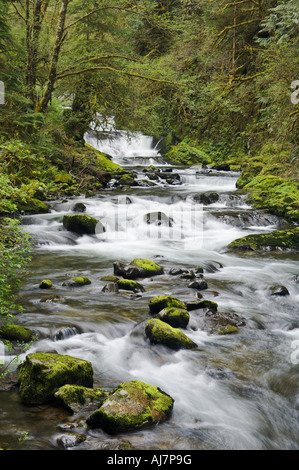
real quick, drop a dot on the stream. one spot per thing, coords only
(234, 392)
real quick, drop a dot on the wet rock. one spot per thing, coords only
(79, 207)
(70, 439)
(207, 198)
(201, 304)
(159, 332)
(160, 302)
(175, 317)
(65, 332)
(42, 374)
(198, 284)
(279, 291)
(138, 268)
(80, 224)
(158, 218)
(53, 298)
(221, 323)
(128, 284)
(177, 271)
(110, 287)
(109, 278)
(132, 406)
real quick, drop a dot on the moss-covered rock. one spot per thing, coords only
(160, 302)
(132, 406)
(20, 333)
(42, 374)
(46, 284)
(77, 281)
(276, 240)
(159, 332)
(175, 317)
(186, 154)
(33, 206)
(128, 284)
(276, 195)
(80, 224)
(138, 268)
(78, 398)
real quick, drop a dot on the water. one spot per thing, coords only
(236, 391)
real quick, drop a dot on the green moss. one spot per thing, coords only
(276, 195)
(132, 405)
(16, 333)
(64, 178)
(160, 302)
(185, 154)
(227, 329)
(148, 266)
(109, 278)
(175, 317)
(160, 332)
(279, 239)
(126, 284)
(46, 284)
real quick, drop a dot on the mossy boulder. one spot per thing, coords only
(176, 317)
(33, 206)
(160, 302)
(276, 240)
(159, 332)
(132, 406)
(138, 268)
(42, 374)
(46, 284)
(78, 281)
(128, 284)
(80, 223)
(12, 332)
(77, 398)
(207, 198)
(221, 323)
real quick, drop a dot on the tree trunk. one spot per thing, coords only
(60, 36)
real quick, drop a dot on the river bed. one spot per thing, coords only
(235, 392)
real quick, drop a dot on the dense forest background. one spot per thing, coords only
(216, 79)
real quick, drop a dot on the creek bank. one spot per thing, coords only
(276, 240)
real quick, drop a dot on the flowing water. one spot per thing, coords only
(238, 391)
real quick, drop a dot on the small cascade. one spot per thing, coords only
(126, 148)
